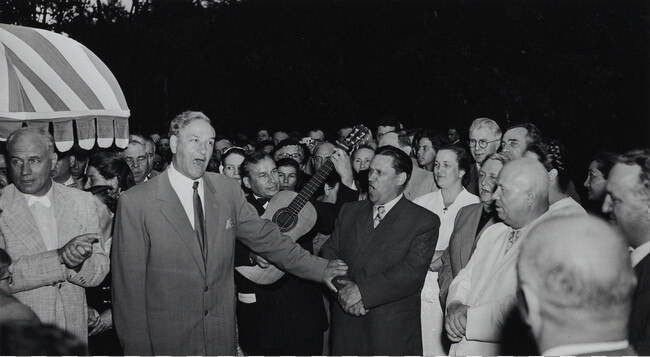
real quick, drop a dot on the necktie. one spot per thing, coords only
(199, 226)
(42, 200)
(380, 215)
(514, 235)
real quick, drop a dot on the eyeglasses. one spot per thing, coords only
(296, 156)
(481, 143)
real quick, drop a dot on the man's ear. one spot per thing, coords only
(55, 159)
(401, 178)
(529, 307)
(246, 182)
(173, 143)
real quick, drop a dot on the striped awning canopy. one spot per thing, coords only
(48, 78)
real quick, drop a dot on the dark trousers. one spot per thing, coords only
(312, 346)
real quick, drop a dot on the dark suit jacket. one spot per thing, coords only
(166, 300)
(472, 185)
(389, 264)
(461, 246)
(639, 327)
(284, 313)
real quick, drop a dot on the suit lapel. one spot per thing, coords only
(377, 235)
(363, 230)
(471, 225)
(63, 212)
(19, 219)
(173, 211)
(213, 241)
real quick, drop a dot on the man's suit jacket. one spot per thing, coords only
(472, 185)
(55, 293)
(488, 285)
(389, 264)
(421, 183)
(639, 326)
(282, 314)
(166, 300)
(461, 246)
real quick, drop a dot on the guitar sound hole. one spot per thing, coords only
(285, 220)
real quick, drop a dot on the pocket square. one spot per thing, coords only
(229, 223)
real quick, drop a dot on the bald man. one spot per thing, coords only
(422, 181)
(577, 282)
(322, 153)
(485, 290)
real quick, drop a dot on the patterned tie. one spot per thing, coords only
(199, 226)
(380, 215)
(514, 235)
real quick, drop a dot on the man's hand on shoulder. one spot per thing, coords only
(456, 321)
(334, 268)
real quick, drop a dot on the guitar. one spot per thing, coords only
(294, 214)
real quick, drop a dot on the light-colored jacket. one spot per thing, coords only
(54, 292)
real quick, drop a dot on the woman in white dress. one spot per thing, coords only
(451, 171)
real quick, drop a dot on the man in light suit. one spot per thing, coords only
(388, 243)
(51, 232)
(470, 223)
(484, 292)
(628, 205)
(577, 283)
(173, 265)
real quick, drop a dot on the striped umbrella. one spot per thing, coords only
(48, 78)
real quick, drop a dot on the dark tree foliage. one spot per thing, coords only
(578, 69)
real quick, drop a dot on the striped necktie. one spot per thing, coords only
(380, 215)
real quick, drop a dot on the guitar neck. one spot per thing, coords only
(310, 188)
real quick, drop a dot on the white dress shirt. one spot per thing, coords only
(42, 209)
(387, 206)
(182, 185)
(639, 253)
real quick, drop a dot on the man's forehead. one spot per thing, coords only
(382, 161)
(481, 133)
(623, 176)
(264, 165)
(134, 148)
(516, 133)
(290, 148)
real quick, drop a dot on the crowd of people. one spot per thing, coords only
(400, 242)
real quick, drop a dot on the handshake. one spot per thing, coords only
(77, 250)
(349, 296)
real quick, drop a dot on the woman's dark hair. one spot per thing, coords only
(552, 155)
(437, 140)
(463, 159)
(605, 161)
(110, 165)
(232, 150)
(106, 194)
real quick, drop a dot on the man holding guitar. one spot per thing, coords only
(286, 317)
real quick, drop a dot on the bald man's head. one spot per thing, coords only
(575, 273)
(397, 140)
(522, 192)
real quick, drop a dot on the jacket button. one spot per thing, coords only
(205, 289)
(205, 313)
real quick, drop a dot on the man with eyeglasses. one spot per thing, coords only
(10, 308)
(136, 157)
(484, 138)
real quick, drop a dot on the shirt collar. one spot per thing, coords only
(69, 181)
(182, 180)
(639, 253)
(586, 348)
(49, 195)
(387, 206)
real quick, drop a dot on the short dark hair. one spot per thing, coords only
(260, 146)
(640, 157)
(533, 132)
(552, 154)
(463, 159)
(251, 159)
(231, 151)
(605, 161)
(110, 165)
(389, 121)
(28, 338)
(401, 161)
(437, 141)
